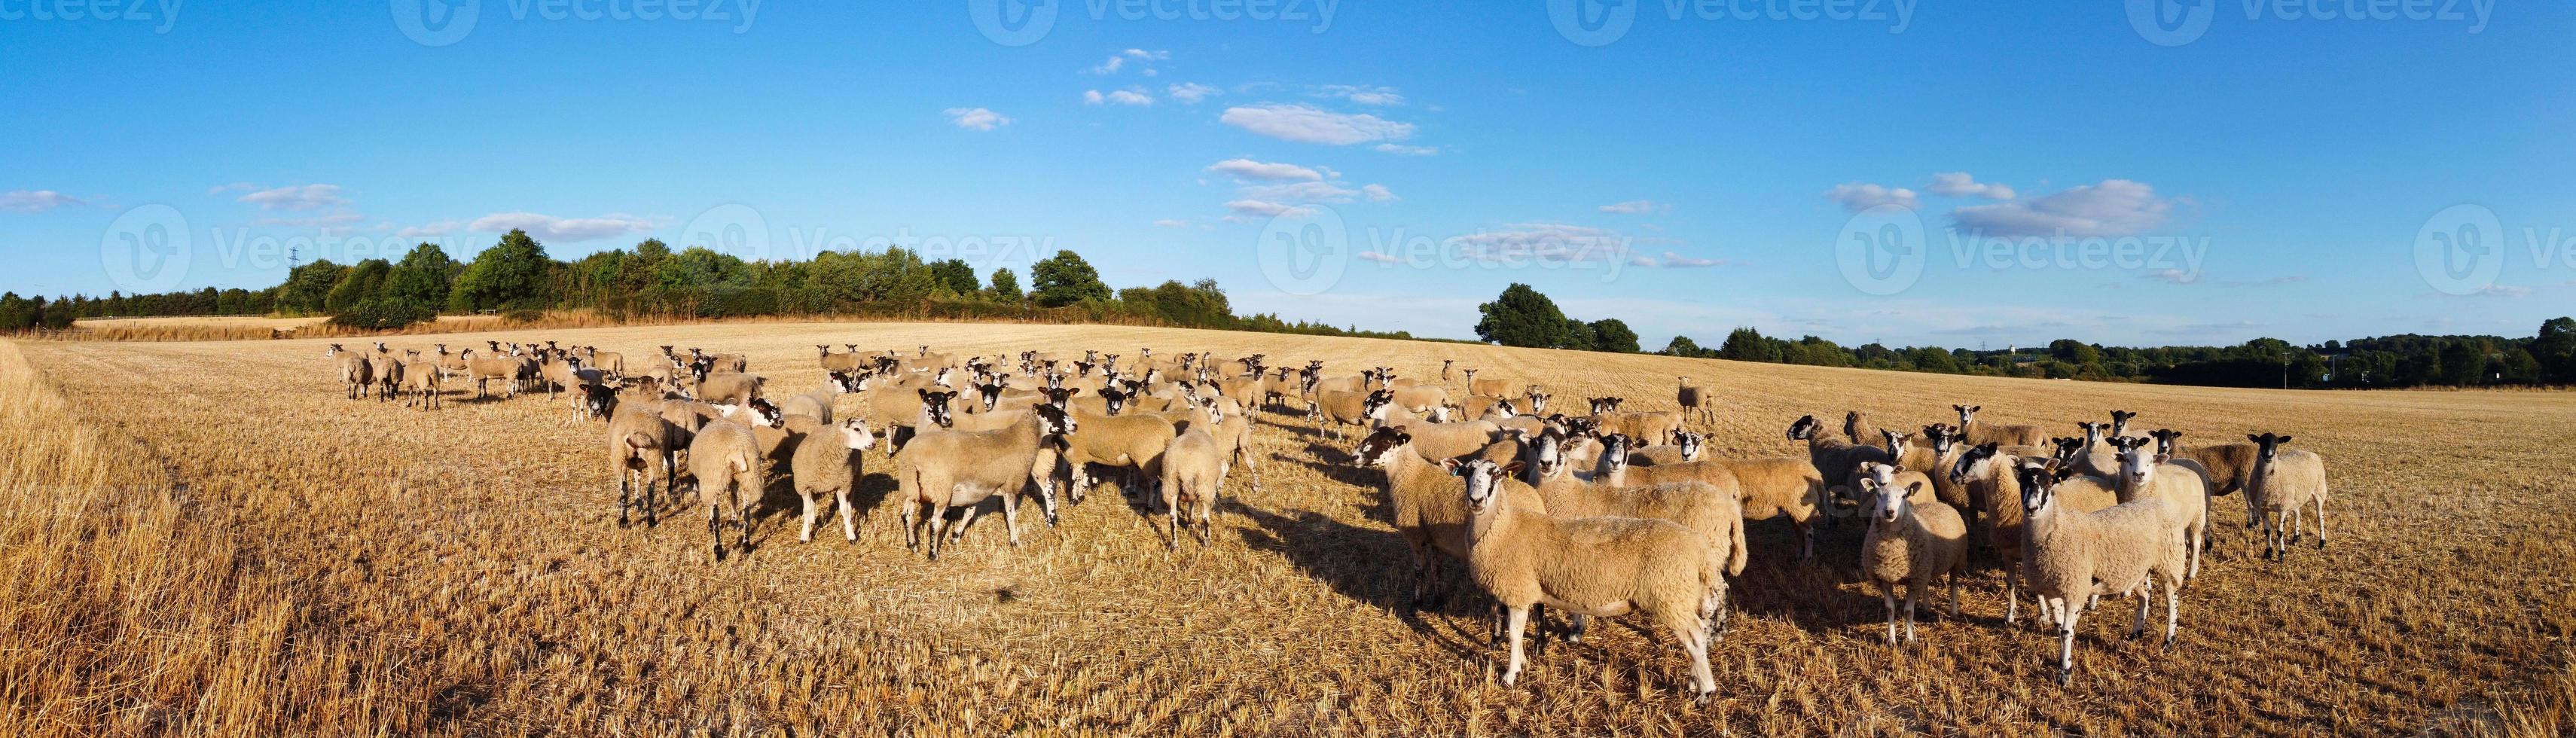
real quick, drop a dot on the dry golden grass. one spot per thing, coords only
(207, 539)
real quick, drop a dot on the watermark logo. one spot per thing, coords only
(2460, 250)
(1592, 22)
(162, 14)
(1881, 250)
(1305, 250)
(1013, 22)
(1598, 23)
(436, 23)
(147, 249)
(2171, 22)
(2178, 22)
(733, 229)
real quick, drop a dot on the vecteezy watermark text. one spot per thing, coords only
(162, 14)
(1024, 22)
(2179, 22)
(1601, 22)
(444, 22)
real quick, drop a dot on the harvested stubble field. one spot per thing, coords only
(206, 538)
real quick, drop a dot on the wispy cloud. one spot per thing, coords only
(1633, 207)
(1859, 196)
(1362, 94)
(1122, 97)
(549, 227)
(1192, 92)
(441, 228)
(1245, 210)
(1378, 193)
(2113, 207)
(1171, 223)
(1405, 150)
(297, 198)
(1959, 184)
(1674, 259)
(1308, 124)
(976, 119)
(1119, 60)
(2280, 280)
(36, 201)
(1247, 169)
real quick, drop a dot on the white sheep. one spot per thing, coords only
(2280, 485)
(1909, 542)
(2126, 549)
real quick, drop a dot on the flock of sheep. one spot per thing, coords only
(1603, 514)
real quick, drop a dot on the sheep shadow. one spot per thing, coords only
(1368, 566)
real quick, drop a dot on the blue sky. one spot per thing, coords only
(2055, 170)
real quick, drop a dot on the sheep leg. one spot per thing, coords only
(1954, 592)
(2012, 593)
(911, 514)
(958, 532)
(1887, 596)
(1206, 510)
(2321, 521)
(807, 499)
(2173, 612)
(715, 528)
(849, 525)
(2146, 601)
(1516, 619)
(1912, 590)
(1046, 495)
(625, 477)
(1011, 516)
(938, 521)
(2066, 643)
(1694, 643)
(1421, 580)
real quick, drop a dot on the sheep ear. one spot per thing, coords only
(1451, 465)
(2162, 458)
(1913, 487)
(2254, 438)
(2061, 473)
(1512, 469)
(2284, 440)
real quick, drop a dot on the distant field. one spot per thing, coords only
(266, 557)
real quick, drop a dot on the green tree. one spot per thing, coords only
(1006, 285)
(1522, 317)
(511, 274)
(423, 277)
(1065, 279)
(1747, 344)
(2555, 349)
(955, 275)
(1578, 336)
(307, 286)
(359, 285)
(1683, 346)
(1613, 334)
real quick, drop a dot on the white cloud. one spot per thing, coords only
(1171, 223)
(547, 227)
(1673, 259)
(1643, 261)
(1300, 192)
(1404, 150)
(1378, 193)
(440, 228)
(1118, 60)
(1381, 258)
(1092, 97)
(1193, 92)
(2114, 207)
(221, 189)
(35, 201)
(1122, 97)
(297, 197)
(1247, 169)
(1307, 124)
(1558, 241)
(1244, 209)
(977, 119)
(2500, 290)
(2174, 276)
(1959, 184)
(1362, 94)
(1858, 196)
(1633, 207)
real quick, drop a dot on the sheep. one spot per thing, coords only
(1684, 448)
(1591, 566)
(725, 459)
(1911, 539)
(2281, 484)
(484, 369)
(1428, 511)
(2228, 466)
(1332, 409)
(816, 404)
(1856, 428)
(643, 442)
(1715, 511)
(847, 361)
(1991, 479)
(2144, 473)
(1487, 387)
(388, 371)
(1834, 458)
(1427, 399)
(907, 412)
(1233, 431)
(2009, 435)
(1194, 468)
(420, 384)
(2093, 456)
(1132, 441)
(1763, 488)
(2126, 549)
(1697, 404)
(1645, 427)
(357, 372)
(722, 362)
(961, 468)
(828, 461)
(1934, 462)
(1436, 441)
(727, 388)
(1444, 369)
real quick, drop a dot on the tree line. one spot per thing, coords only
(651, 280)
(1522, 316)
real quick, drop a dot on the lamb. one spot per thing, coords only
(1332, 409)
(1991, 479)
(1910, 541)
(1132, 441)
(644, 443)
(725, 459)
(1696, 403)
(1833, 457)
(1428, 511)
(961, 468)
(2009, 435)
(828, 461)
(2144, 473)
(2127, 549)
(1684, 448)
(2281, 484)
(1194, 468)
(1591, 566)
